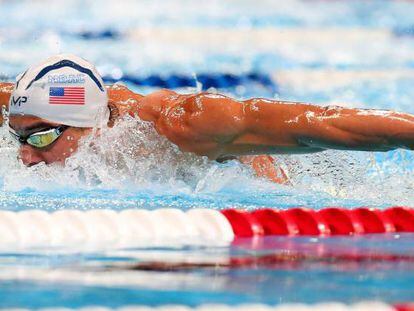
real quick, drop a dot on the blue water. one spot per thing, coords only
(138, 40)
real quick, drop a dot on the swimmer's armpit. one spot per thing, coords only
(123, 99)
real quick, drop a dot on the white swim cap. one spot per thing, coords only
(63, 89)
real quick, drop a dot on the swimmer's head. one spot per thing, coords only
(63, 97)
(63, 89)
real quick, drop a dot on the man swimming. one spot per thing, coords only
(55, 103)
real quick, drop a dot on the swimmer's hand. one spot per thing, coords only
(268, 167)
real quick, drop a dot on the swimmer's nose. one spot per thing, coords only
(29, 156)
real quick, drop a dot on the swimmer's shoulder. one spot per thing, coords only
(151, 105)
(162, 96)
(120, 94)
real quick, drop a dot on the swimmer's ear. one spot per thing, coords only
(113, 113)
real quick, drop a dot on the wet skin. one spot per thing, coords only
(220, 127)
(58, 151)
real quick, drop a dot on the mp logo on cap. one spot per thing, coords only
(18, 101)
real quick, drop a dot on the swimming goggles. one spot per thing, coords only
(40, 139)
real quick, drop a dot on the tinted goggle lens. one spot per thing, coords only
(41, 139)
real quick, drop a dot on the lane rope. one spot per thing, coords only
(169, 226)
(207, 80)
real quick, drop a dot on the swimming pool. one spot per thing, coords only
(353, 53)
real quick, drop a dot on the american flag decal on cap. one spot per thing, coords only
(67, 96)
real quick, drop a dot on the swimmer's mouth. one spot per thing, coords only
(32, 164)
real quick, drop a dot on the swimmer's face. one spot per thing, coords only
(58, 151)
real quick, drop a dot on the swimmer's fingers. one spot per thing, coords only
(266, 166)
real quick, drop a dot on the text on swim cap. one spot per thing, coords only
(18, 101)
(79, 78)
(66, 63)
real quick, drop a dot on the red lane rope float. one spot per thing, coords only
(404, 307)
(389, 225)
(244, 224)
(273, 222)
(338, 221)
(325, 222)
(366, 220)
(401, 217)
(307, 221)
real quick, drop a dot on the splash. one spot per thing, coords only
(132, 164)
(131, 156)
(377, 179)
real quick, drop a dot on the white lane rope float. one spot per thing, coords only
(111, 229)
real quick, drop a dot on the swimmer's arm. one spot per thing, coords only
(298, 125)
(218, 126)
(212, 125)
(5, 92)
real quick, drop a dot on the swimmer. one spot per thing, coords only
(55, 103)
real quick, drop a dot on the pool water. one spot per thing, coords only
(353, 53)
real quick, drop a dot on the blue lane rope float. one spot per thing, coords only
(103, 34)
(208, 80)
(113, 34)
(407, 31)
